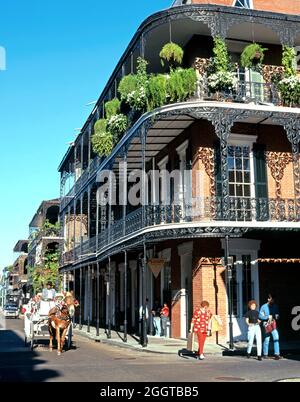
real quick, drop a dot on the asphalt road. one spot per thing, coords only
(96, 362)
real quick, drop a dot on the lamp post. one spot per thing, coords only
(144, 317)
(228, 265)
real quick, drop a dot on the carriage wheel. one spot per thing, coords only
(70, 332)
(31, 336)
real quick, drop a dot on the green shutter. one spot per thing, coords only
(260, 171)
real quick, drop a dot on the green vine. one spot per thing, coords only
(289, 61)
(252, 55)
(221, 60)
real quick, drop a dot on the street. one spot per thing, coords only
(96, 362)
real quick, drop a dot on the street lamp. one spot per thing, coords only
(229, 265)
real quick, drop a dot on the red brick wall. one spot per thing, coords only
(277, 6)
(176, 286)
(209, 280)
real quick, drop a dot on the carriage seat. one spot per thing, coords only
(45, 307)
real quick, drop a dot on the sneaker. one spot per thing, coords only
(266, 357)
(277, 357)
(201, 357)
(248, 355)
(259, 358)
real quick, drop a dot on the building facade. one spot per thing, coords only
(238, 193)
(20, 271)
(44, 236)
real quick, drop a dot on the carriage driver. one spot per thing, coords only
(49, 292)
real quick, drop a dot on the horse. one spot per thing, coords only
(59, 320)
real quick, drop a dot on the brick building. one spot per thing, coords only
(238, 158)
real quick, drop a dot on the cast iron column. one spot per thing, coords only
(88, 298)
(109, 299)
(80, 298)
(229, 279)
(125, 295)
(98, 300)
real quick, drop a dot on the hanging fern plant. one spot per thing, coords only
(171, 53)
(112, 108)
(253, 55)
(102, 140)
(127, 86)
(102, 143)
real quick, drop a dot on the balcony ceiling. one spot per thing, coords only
(159, 136)
(165, 130)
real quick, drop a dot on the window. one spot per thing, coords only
(239, 182)
(243, 3)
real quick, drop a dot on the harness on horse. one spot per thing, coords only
(58, 313)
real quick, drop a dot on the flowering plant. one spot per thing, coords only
(117, 125)
(221, 81)
(137, 99)
(289, 89)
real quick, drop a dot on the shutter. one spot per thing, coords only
(260, 171)
(261, 182)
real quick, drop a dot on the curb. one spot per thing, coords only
(137, 348)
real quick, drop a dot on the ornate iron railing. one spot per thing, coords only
(242, 92)
(202, 209)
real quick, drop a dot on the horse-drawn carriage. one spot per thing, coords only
(37, 324)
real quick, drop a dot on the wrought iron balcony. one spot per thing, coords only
(202, 210)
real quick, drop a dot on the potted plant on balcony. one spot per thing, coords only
(252, 56)
(116, 122)
(181, 84)
(171, 53)
(133, 87)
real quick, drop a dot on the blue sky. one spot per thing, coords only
(59, 55)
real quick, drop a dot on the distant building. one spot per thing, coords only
(44, 233)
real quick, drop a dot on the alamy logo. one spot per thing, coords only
(296, 320)
(2, 59)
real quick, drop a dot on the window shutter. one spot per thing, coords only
(260, 171)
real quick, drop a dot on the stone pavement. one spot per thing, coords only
(172, 346)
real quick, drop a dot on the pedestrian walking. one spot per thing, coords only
(254, 330)
(156, 318)
(165, 318)
(269, 315)
(200, 325)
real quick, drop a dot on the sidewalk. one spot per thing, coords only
(173, 346)
(155, 344)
